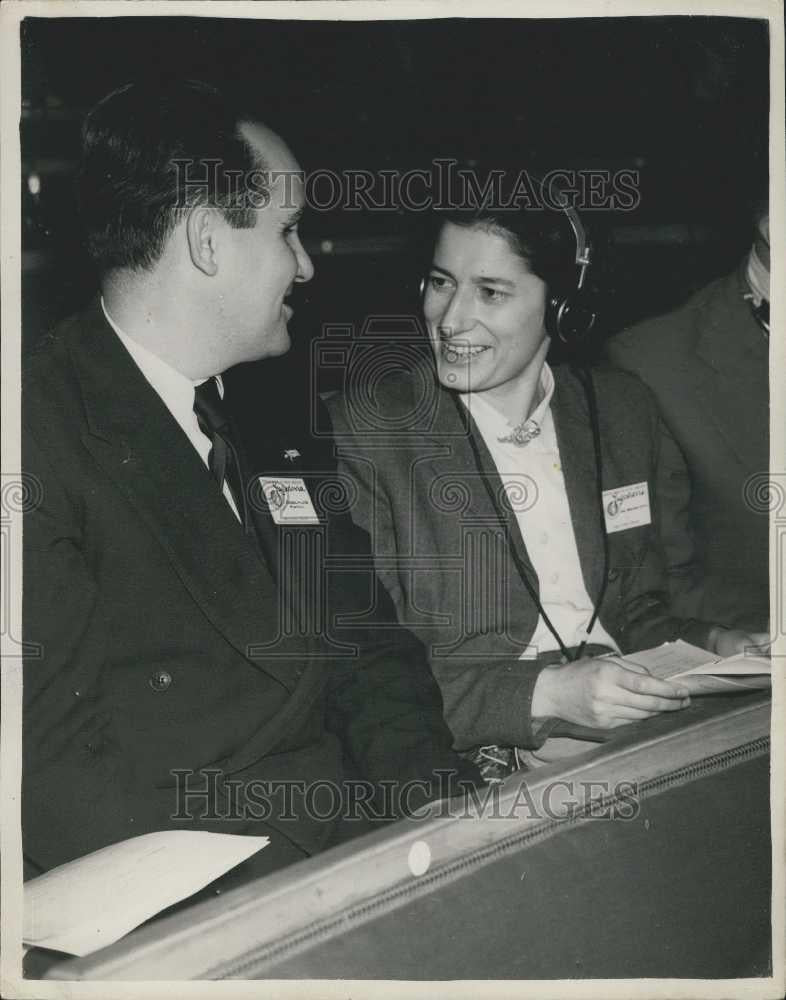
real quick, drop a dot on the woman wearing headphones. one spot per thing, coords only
(510, 505)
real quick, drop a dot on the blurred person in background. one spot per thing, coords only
(707, 365)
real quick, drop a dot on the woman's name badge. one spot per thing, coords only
(288, 500)
(627, 507)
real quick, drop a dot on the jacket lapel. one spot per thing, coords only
(472, 471)
(577, 458)
(569, 409)
(138, 443)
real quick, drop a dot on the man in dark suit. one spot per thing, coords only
(192, 669)
(707, 365)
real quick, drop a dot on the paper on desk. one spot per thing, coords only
(93, 901)
(736, 666)
(699, 670)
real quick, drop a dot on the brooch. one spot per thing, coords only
(522, 434)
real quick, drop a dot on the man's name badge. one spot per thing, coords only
(627, 507)
(288, 500)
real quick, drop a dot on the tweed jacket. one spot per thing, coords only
(707, 364)
(448, 561)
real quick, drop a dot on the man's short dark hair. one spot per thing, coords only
(139, 145)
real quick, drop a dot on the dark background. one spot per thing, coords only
(684, 100)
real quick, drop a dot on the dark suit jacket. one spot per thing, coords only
(707, 366)
(163, 644)
(448, 562)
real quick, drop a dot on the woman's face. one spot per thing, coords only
(484, 310)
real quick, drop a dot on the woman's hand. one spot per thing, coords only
(735, 641)
(603, 694)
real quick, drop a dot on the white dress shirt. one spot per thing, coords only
(177, 393)
(532, 477)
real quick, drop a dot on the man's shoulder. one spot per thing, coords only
(54, 351)
(660, 340)
(48, 370)
(52, 377)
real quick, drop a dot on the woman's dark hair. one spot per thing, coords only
(516, 206)
(150, 153)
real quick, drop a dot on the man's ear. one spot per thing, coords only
(200, 231)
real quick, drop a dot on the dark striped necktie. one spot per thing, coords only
(223, 460)
(227, 463)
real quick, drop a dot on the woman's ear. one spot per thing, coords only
(200, 232)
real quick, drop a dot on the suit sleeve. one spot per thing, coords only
(383, 701)
(673, 495)
(73, 781)
(485, 700)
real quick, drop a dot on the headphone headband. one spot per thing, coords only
(573, 317)
(583, 257)
(583, 247)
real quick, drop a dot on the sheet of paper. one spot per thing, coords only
(93, 901)
(713, 684)
(699, 670)
(670, 659)
(739, 666)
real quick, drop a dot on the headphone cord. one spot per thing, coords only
(521, 569)
(585, 378)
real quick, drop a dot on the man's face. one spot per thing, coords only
(258, 267)
(484, 309)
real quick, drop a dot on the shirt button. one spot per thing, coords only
(555, 577)
(543, 538)
(160, 680)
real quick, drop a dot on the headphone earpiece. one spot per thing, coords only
(571, 318)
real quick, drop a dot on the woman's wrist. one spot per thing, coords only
(543, 705)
